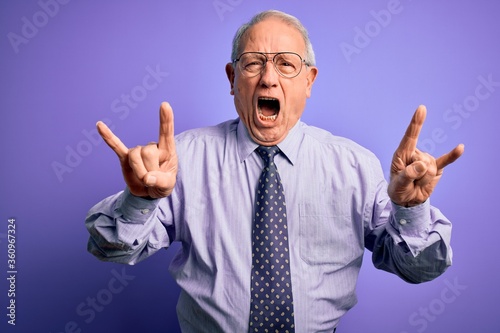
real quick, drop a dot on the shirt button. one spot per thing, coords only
(403, 221)
(144, 211)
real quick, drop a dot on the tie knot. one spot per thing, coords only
(268, 153)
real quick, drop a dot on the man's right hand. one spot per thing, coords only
(149, 171)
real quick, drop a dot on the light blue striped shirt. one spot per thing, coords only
(337, 205)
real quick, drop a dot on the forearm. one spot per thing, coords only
(125, 229)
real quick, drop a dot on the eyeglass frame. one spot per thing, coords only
(302, 62)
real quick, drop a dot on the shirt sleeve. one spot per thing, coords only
(127, 229)
(414, 243)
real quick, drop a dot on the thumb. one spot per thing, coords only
(150, 179)
(162, 182)
(416, 170)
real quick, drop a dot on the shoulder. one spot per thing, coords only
(207, 134)
(325, 140)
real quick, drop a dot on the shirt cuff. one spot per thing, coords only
(133, 209)
(412, 221)
(413, 225)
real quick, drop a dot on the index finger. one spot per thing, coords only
(112, 140)
(409, 141)
(166, 141)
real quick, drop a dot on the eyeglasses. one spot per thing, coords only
(287, 64)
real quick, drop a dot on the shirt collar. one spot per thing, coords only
(289, 146)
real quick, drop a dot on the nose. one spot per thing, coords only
(269, 76)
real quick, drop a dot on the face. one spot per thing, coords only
(269, 104)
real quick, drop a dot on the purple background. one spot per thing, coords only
(58, 79)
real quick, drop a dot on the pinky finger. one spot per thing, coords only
(112, 140)
(450, 157)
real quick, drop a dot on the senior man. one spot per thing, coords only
(273, 215)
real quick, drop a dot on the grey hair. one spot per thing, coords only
(289, 19)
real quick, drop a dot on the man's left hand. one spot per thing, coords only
(415, 174)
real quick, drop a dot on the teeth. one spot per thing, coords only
(262, 117)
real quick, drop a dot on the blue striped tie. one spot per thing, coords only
(271, 285)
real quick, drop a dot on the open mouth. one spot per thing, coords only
(268, 108)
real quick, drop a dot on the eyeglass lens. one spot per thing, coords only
(286, 63)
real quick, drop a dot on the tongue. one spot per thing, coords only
(267, 110)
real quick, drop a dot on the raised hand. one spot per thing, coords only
(415, 174)
(149, 171)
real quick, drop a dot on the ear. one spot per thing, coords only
(230, 76)
(312, 73)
